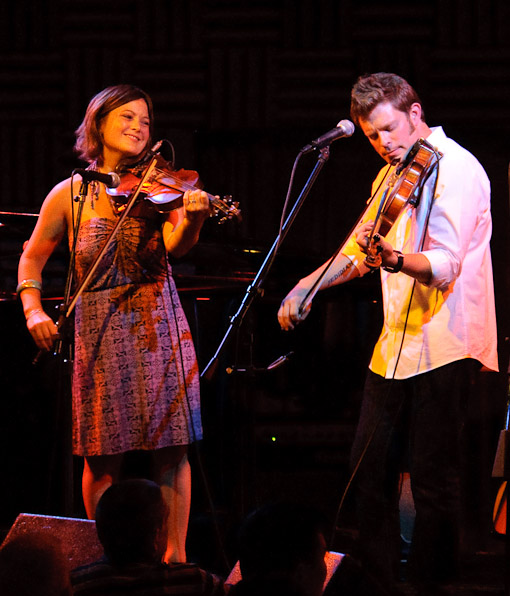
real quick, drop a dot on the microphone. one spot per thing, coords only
(344, 128)
(153, 151)
(111, 180)
(155, 148)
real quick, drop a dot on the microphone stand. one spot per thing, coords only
(110, 238)
(64, 411)
(254, 289)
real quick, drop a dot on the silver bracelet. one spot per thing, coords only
(32, 312)
(26, 284)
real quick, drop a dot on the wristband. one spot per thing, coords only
(31, 312)
(398, 266)
(28, 283)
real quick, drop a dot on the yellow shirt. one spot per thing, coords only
(453, 317)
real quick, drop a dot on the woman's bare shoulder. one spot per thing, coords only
(60, 196)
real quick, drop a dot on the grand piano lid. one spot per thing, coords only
(10, 218)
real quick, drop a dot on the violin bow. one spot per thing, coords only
(118, 223)
(307, 300)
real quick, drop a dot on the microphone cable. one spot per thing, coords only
(356, 467)
(194, 443)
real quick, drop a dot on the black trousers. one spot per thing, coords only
(416, 423)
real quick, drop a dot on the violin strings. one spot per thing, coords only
(182, 184)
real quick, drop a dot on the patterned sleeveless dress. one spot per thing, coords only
(135, 377)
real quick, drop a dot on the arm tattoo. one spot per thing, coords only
(339, 274)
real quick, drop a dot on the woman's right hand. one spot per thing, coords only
(42, 328)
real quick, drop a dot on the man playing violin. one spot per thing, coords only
(135, 375)
(439, 329)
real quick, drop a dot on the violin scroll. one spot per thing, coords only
(224, 209)
(373, 260)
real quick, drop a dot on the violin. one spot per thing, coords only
(404, 188)
(164, 187)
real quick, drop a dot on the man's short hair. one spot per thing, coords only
(372, 89)
(129, 516)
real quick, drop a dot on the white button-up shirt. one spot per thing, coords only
(453, 317)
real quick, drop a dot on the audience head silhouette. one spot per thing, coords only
(284, 540)
(131, 522)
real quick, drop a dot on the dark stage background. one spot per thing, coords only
(239, 87)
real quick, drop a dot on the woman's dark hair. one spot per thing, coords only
(372, 89)
(89, 141)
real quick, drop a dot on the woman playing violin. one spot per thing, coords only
(135, 375)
